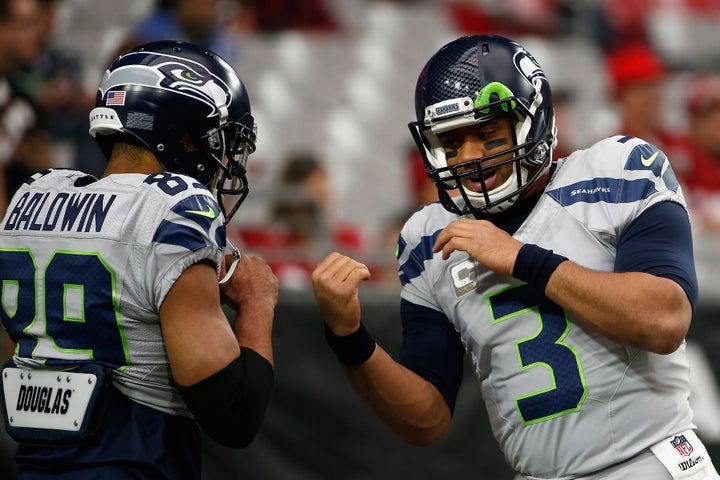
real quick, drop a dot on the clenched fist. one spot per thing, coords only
(336, 282)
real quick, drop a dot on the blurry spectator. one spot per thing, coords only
(637, 77)
(529, 17)
(703, 179)
(519, 17)
(19, 46)
(583, 20)
(196, 21)
(303, 198)
(638, 84)
(684, 30)
(54, 83)
(627, 20)
(278, 15)
(301, 232)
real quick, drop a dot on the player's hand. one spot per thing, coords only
(336, 282)
(252, 283)
(493, 247)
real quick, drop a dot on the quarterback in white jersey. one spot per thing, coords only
(111, 290)
(571, 284)
(546, 378)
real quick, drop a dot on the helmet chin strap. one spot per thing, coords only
(477, 199)
(236, 258)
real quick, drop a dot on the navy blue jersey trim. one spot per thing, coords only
(659, 242)
(646, 157)
(605, 189)
(401, 244)
(432, 348)
(671, 180)
(415, 264)
(37, 176)
(199, 209)
(221, 236)
(181, 235)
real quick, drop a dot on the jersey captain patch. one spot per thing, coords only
(464, 277)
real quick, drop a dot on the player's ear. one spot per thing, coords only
(187, 143)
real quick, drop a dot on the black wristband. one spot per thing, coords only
(352, 349)
(534, 265)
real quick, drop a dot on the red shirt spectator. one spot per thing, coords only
(703, 177)
(637, 79)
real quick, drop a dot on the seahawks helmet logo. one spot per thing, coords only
(175, 74)
(528, 66)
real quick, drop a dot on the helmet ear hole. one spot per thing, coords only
(187, 142)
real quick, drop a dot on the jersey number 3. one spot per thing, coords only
(546, 348)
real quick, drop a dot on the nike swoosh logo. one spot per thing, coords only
(210, 213)
(648, 161)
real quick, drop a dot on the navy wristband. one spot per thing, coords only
(534, 265)
(352, 349)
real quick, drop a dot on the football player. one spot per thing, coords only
(570, 284)
(110, 286)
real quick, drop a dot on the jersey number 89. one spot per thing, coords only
(69, 314)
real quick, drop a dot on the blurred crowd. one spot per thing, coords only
(660, 59)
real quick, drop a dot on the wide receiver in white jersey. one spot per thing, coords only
(571, 284)
(110, 286)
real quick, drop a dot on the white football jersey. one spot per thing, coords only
(86, 266)
(562, 399)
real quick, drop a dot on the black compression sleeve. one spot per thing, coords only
(230, 405)
(432, 348)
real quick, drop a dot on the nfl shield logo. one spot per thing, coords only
(682, 446)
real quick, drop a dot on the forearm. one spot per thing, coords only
(253, 328)
(633, 308)
(410, 406)
(252, 291)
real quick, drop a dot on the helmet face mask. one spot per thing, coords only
(231, 179)
(466, 83)
(235, 142)
(187, 106)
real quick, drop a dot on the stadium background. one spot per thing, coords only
(348, 96)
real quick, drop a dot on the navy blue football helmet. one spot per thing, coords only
(464, 83)
(187, 106)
